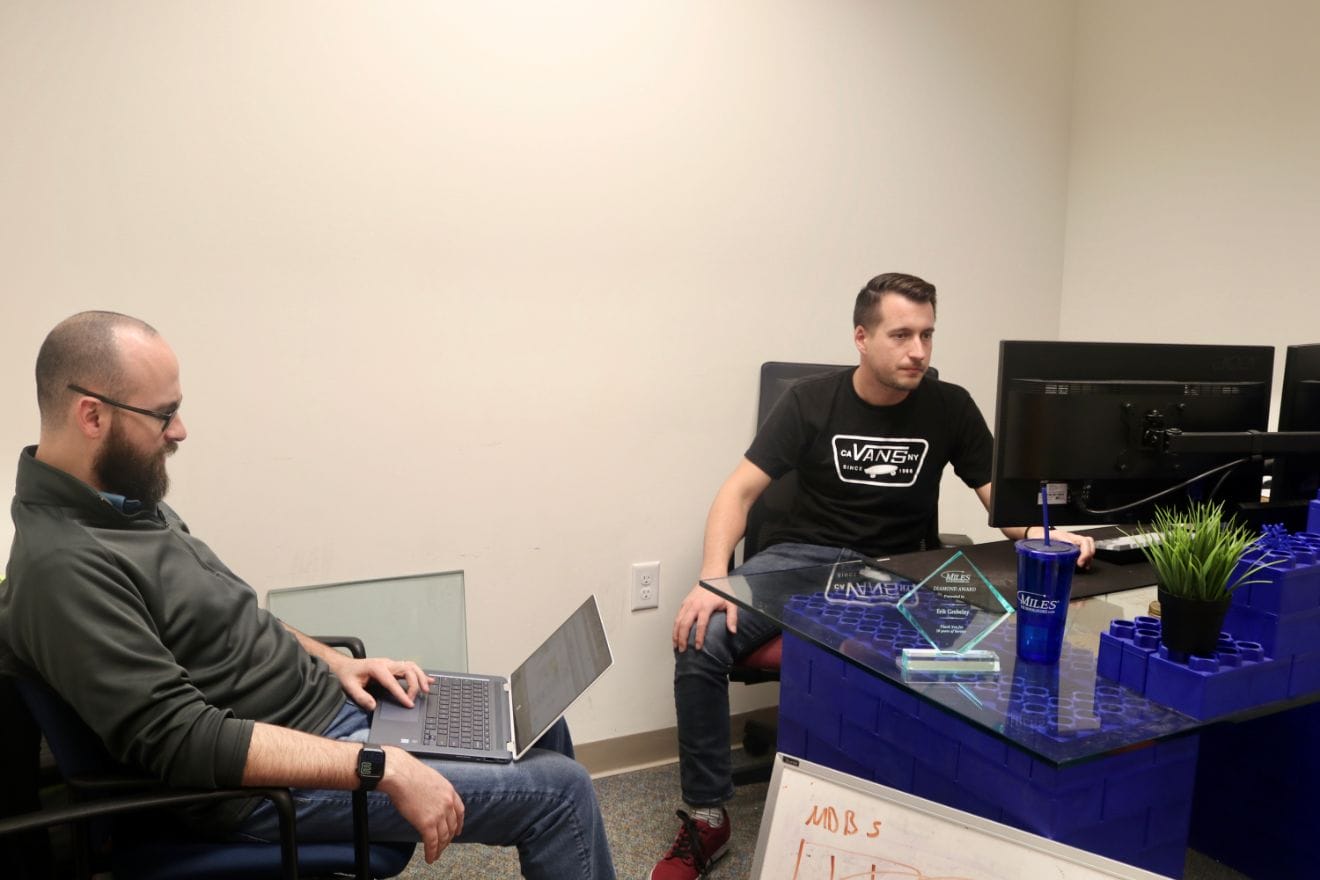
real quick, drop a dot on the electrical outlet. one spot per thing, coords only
(645, 585)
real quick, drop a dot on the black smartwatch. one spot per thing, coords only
(370, 766)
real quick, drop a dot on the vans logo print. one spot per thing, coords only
(878, 461)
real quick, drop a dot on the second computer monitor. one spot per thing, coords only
(1095, 420)
(1296, 476)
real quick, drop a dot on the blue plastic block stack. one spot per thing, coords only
(1237, 676)
(1126, 649)
(1256, 806)
(1135, 806)
(1270, 648)
(1282, 609)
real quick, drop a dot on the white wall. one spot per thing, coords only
(486, 285)
(1194, 186)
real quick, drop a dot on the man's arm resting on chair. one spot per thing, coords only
(279, 756)
(725, 525)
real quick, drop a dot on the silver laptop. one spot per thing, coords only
(488, 718)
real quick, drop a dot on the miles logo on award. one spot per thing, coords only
(878, 461)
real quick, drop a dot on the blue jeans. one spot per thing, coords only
(701, 679)
(544, 804)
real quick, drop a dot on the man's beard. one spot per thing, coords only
(136, 475)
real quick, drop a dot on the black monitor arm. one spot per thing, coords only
(1155, 435)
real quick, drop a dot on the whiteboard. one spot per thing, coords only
(820, 824)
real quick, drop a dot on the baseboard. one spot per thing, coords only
(650, 749)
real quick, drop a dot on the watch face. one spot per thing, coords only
(371, 764)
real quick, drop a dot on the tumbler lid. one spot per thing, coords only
(1037, 548)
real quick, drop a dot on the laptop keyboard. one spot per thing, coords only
(458, 713)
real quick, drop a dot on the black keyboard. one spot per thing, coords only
(458, 713)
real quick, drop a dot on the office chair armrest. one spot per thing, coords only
(353, 644)
(82, 811)
(141, 792)
(76, 812)
(109, 784)
(361, 832)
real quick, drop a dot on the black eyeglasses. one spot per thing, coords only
(165, 417)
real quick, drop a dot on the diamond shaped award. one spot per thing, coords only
(953, 609)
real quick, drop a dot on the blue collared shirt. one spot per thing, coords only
(122, 504)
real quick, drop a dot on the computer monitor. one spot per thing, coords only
(1116, 429)
(1295, 477)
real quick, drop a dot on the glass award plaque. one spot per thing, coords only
(953, 609)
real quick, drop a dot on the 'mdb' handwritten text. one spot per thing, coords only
(832, 821)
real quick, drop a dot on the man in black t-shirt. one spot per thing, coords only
(869, 445)
(868, 475)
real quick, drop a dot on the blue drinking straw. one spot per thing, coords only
(1045, 512)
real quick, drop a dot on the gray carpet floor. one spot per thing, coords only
(639, 812)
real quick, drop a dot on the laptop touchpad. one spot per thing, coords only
(392, 711)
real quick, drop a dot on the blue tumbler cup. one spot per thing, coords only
(1044, 581)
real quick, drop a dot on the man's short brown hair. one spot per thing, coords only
(866, 312)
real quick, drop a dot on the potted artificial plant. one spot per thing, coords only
(1196, 571)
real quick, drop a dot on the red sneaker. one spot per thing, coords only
(697, 847)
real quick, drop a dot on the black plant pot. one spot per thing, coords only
(1191, 625)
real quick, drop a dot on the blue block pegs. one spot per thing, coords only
(1273, 651)
(1280, 607)
(1238, 675)
(1290, 584)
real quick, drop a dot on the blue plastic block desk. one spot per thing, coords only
(1056, 750)
(1262, 818)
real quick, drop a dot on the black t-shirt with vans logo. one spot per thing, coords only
(869, 476)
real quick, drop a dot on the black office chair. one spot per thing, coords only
(155, 848)
(775, 503)
(27, 849)
(27, 854)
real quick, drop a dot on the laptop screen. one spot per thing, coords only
(557, 673)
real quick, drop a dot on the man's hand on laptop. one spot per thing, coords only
(425, 798)
(402, 679)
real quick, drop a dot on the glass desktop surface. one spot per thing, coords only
(1062, 714)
